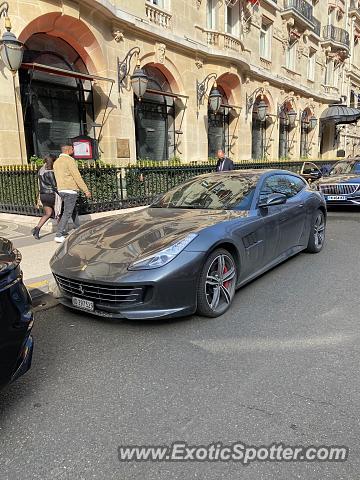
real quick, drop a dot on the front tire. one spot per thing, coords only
(217, 284)
(317, 232)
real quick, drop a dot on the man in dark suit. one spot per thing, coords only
(224, 163)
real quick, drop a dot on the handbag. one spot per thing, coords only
(57, 205)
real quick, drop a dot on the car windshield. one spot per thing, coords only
(346, 167)
(217, 192)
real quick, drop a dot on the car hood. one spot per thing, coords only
(104, 248)
(332, 179)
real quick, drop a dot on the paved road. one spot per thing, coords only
(281, 366)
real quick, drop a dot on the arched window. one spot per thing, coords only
(218, 127)
(155, 119)
(55, 108)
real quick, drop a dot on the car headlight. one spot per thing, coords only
(163, 257)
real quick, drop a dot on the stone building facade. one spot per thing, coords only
(296, 57)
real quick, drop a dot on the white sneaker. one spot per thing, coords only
(59, 239)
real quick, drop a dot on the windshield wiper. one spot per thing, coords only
(185, 207)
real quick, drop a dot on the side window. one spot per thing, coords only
(309, 167)
(356, 168)
(288, 185)
(295, 185)
(276, 184)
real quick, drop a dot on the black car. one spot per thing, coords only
(192, 248)
(340, 185)
(16, 316)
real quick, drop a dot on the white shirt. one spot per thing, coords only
(74, 192)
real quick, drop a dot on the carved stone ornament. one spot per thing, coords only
(198, 3)
(245, 26)
(338, 57)
(294, 35)
(118, 35)
(160, 51)
(284, 34)
(199, 62)
(321, 57)
(303, 49)
(256, 18)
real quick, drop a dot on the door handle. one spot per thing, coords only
(301, 205)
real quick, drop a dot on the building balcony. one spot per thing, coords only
(354, 71)
(158, 16)
(336, 37)
(302, 12)
(330, 89)
(222, 40)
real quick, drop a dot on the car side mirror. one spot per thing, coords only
(272, 199)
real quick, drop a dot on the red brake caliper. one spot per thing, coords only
(226, 284)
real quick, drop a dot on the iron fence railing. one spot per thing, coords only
(338, 35)
(305, 10)
(301, 7)
(114, 187)
(317, 26)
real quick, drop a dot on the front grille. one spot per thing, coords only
(105, 294)
(339, 189)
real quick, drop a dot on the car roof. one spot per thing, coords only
(248, 172)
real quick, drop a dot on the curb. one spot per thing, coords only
(51, 226)
(38, 289)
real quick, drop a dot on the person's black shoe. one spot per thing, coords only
(35, 233)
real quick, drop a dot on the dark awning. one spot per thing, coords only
(63, 73)
(340, 114)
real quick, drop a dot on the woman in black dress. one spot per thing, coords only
(47, 187)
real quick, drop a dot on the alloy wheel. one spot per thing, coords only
(220, 283)
(319, 230)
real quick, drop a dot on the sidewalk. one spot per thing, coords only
(36, 254)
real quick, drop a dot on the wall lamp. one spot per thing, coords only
(215, 97)
(11, 48)
(312, 122)
(290, 115)
(261, 106)
(139, 79)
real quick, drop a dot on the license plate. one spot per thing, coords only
(83, 304)
(335, 197)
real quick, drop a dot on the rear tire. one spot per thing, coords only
(217, 283)
(317, 232)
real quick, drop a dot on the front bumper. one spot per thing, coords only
(170, 291)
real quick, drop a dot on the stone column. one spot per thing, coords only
(12, 141)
